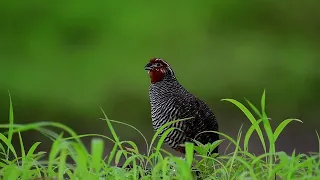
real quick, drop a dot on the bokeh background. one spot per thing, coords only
(63, 61)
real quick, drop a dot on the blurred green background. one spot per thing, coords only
(63, 61)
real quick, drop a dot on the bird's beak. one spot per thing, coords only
(148, 67)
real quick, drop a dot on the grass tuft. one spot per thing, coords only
(68, 158)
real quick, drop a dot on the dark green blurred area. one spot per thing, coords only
(63, 61)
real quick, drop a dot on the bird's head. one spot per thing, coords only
(159, 70)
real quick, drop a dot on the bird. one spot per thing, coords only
(170, 101)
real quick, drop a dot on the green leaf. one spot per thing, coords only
(161, 140)
(96, 153)
(32, 149)
(62, 163)
(235, 153)
(144, 138)
(81, 159)
(114, 135)
(281, 126)
(249, 133)
(251, 118)
(183, 168)
(134, 148)
(55, 149)
(129, 160)
(161, 129)
(318, 142)
(13, 172)
(263, 101)
(11, 122)
(23, 153)
(189, 147)
(254, 108)
(117, 157)
(8, 143)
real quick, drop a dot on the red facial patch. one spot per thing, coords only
(157, 74)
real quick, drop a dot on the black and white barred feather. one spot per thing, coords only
(171, 101)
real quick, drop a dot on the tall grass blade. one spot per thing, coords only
(281, 126)
(254, 108)
(113, 132)
(10, 146)
(11, 122)
(189, 147)
(249, 133)
(161, 129)
(23, 153)
(62, 163)
(263, 101)
(250, 117)
(96, 152)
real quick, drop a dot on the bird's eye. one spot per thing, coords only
(157, 64)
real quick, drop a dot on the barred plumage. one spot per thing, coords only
(171, 101)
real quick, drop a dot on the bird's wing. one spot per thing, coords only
(201, 117)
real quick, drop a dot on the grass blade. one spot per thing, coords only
(62, 163)
(189, 153)
(249, 133)
(11, 122)
(281, 126)
(161, 129)
(263, 101)
(97, 152)
(254, 108)
(251, 118)
(10, 147)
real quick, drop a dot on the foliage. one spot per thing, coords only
(69, 158)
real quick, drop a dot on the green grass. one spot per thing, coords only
(70, 159)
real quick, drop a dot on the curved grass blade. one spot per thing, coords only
(55, 149)
(183, 167)
(318, 142)
(251, 118)
(189, 153)
(249, 133)
(144, 138)
(90, 135)
(115, 137)
(254, 108)
(11, 122)
(10, 146)
(161, 140)
(96, 153)
(161, 129)
(236, 149)
(62, 163)
(282, 125)
(134, 148)
(35, 126)
(246, 164)
(263, 101)
(23, 153)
